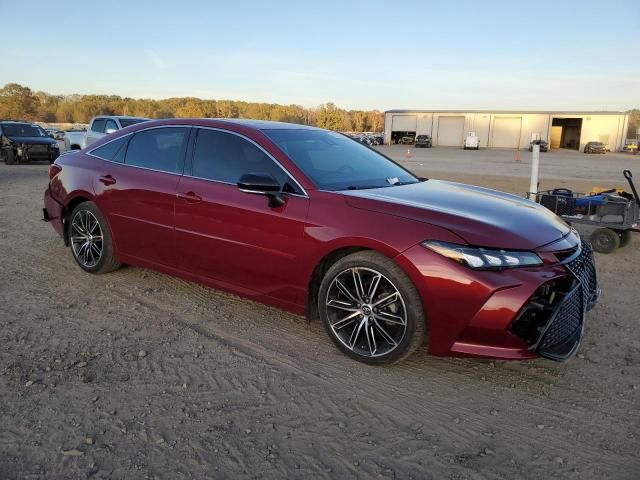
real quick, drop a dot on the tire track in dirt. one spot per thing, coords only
(230, 388)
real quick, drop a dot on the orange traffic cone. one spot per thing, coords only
(518, 155)
(408, 153)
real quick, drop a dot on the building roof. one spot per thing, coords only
(545, 112)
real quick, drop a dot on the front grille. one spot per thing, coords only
(565, 323)
(552, 320)
(584, 270)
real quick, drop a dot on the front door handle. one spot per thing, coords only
(189, 197)
(107, 179)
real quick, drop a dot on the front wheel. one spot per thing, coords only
(90, 239)
(8, 157)
(371, 309)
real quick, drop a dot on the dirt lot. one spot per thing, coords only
(137, 375)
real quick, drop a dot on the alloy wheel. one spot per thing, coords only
(366, 312)
(86, 238)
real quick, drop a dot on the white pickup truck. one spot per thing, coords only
(98, 128)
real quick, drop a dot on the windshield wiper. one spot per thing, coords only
(365, 187)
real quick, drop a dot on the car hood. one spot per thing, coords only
(481, 216)
(33, 140)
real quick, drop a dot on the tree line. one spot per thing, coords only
(18, 102)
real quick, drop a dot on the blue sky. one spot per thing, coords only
(374, 54)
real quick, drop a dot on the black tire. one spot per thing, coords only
(107, 261)
(625, 237)
(604, 240)
(409, 303)
(8, 157)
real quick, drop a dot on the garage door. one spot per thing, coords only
(404, 123)
(450, 131)
(506, 132)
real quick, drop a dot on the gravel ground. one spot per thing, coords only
(136, 375)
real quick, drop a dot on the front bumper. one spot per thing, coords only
(512, 314)
(36, 152)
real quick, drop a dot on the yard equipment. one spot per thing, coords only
(615, 212)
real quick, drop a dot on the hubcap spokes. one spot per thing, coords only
(86, 238)
(366, 312)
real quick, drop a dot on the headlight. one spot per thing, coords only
(54, 146)
(483, 258)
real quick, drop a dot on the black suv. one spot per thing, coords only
(544, 146)
(423, 141)
(23, 141)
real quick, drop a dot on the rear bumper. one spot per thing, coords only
(52, 213)
(497, 314)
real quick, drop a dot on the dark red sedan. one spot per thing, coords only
(315, 223)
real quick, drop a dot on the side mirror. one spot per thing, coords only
(110, 130)
(262, 184)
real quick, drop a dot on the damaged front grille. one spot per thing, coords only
(552, 321)
(584, 270)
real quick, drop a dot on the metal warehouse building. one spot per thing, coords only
(508, 129)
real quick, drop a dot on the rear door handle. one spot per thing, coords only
(189, 197)
(107, 179)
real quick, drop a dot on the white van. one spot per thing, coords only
(471, 142)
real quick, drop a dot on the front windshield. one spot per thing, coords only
(23, 130)
(127, 122)
(335, 162)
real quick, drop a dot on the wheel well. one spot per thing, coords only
(318, 274)
(75, 147)
(66, 211)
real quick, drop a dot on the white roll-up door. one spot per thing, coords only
(404, 123)
(506, 132)
(450, 131)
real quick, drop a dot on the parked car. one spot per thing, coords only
(595, 147)
(312, 222)
(544, 146)
(23, 142)
(423, 141)
(377, 140)
(406, 140)
(98, 128)
(59, 135)
(471, 142)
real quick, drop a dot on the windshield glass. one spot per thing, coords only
(335, 162)
(22, 130)
(127, 122)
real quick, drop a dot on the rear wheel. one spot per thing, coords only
(370, 309)
(604, 240)
(90, 239)
(625, 237)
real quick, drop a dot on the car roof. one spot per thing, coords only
(265, 124)
(233, 123)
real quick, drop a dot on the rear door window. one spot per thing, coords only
(98, 125)
(158, 149)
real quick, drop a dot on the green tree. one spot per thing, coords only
(18, 102)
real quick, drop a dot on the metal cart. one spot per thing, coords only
(616, 216)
